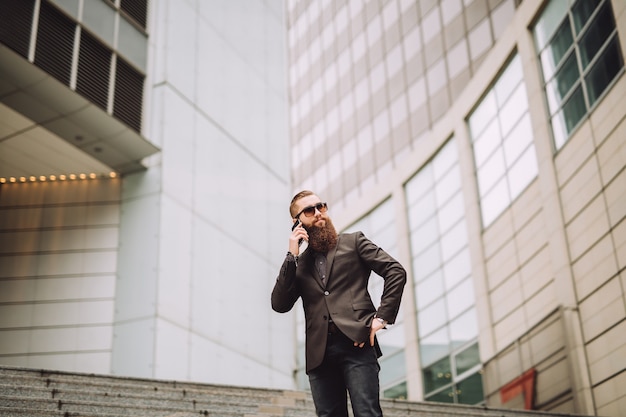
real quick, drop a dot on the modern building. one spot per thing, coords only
(148, 151)
(483, 143)
(144, 169)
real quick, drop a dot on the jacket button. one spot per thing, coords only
(326, 293)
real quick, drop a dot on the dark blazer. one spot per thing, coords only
(344, 298)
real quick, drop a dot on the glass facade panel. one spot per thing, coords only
(100, 19)
(563, 82)
(397, 391)
(429, 290)
(432, 317)
(443, 283)
(604, 71)
(437, 375)
(434, 346)
(470, 390)
(133, 44)
(495, 173)
(464, 328)
(487, 142)
(444, 396)
(596, 35)
(595, 57)
(467, 359)
(460, 298)
(581, 11)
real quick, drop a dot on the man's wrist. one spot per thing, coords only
(292, 257)
(381, 320)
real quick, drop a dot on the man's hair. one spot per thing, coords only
(292, 207)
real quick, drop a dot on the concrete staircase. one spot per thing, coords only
(45, 393)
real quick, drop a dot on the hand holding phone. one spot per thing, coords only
(296, 224)
(302, 244)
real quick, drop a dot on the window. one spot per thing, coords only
(444, 292)
(502, 140)
(580, 57)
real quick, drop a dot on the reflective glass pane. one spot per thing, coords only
(431, 317)
(467, 359)
(558, 48)
(445, 159)
(69, 6)
(581, 12)
(491, 171)
(483, 114)
(424, 236)
(519, 139)
(597, 33)
(550, 19)
(453, 240)
(437, 375)
(460, 298)
(494, 202)
(423, 210)
(429, 289)
(393, 338)
(574, 110)
(133, 44)
(470, 390)
(426, 262)
(381, 217)
(419, 184)
(457, 268)
(397, 391)
(99, 18)
(392, 368)
(563, 82)
(513, 109)
(447, 186)
(444, 396)
(487, 142)
(604, 71)
(523, 172)
(464, 328)
(509, 79)
(434, 346)
(451, 212)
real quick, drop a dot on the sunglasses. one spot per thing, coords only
(310, 211)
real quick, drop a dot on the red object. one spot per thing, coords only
(524, 384)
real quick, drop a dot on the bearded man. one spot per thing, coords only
(332, 278)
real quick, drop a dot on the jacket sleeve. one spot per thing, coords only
(285, 292)
(390, 270)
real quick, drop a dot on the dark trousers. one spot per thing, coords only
(346, 369)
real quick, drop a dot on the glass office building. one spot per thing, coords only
(144, 169)
(148, 151)
(481, 142)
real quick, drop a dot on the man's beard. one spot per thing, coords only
(324, 238)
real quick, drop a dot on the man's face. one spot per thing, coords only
(316, 220)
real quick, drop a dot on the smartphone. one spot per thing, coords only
(296, 224)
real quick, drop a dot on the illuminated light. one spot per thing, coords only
(42, 178)
(3, 180)
(112, 174)
(22, 179)
(53, 177)
(12, 179)
(92, 176)
(82, 176)
(62, 177)
(32, 178)
(72, 176)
